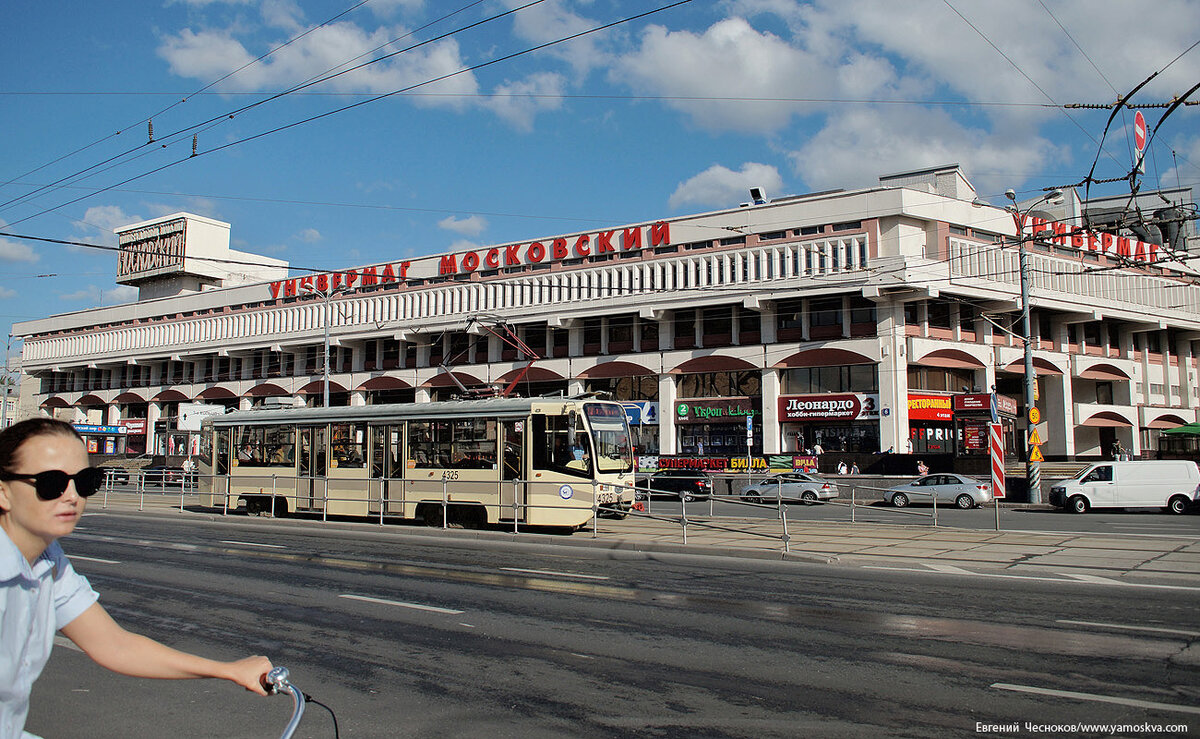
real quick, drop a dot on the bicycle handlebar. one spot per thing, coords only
(277, 682)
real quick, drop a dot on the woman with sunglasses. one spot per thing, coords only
(44, 481)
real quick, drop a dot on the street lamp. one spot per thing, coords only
(326, 294)
(1033, 468)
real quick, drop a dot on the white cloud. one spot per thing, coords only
(862, 144)
(463, 245)
(720, 186)
(309, 236)
(519, 102)
(5, 293)
(469, 226)
(207, 55)
(552, 20)
(12, 251)
(105, 218)
(93, 295)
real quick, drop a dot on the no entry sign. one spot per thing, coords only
(1139, 132)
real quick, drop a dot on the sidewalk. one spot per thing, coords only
(1131, 559)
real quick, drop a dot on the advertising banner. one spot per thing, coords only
(925, 407)
(829, 407)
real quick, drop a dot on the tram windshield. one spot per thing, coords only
(610, 431)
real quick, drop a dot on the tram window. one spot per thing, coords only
(346, 444)
(564, 447)
(461, 444)
(266, 446)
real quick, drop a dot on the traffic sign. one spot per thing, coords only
(996, 451)
(1034, 438)
(1139, 132)
(1035, 455)
(1035, 416)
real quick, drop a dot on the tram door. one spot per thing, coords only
(513, 479)
(385, 483)
(310, 490)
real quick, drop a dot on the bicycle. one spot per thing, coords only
(278, 681)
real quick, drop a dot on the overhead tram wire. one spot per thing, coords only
(215, 120)
(179, 102)
(376, 98)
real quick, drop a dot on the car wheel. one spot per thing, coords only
(750, 497)
(1178, 504)
(1078, 504)
(809, 497)
(964, 501)
(899, 500)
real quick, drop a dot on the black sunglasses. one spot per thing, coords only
(51, 484)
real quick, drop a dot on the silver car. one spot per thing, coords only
(790, 486)
(964, 492)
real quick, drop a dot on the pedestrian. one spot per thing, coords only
(908, 448)
(44, 481)
(842, 468)
(854, 469)
(1118, 451)
(921, 468)
(817, 448)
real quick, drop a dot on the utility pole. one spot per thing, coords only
(1033, 467)
(8, 385)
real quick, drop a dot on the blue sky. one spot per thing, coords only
(677, 112)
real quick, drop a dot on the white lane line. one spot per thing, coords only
(1088, 579)
(1098, 698)
(1153, 629)
(400, 604)
(553, 573)
(74, 557)
(253, 544)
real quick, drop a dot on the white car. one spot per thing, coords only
(963, 491)
(790, 486)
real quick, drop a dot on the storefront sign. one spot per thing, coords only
(922, 407)
(714, 410)
(1062, 233)
(134, 426)
(829, 407)
(982, 403)
(84, 428)
(641, 412)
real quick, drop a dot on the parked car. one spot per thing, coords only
(790, 487)
(1171, 484)
(160, 475)
(682, 484)
(963, 491)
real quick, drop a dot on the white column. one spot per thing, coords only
(772, 439)
(893, 377)
(666, 414)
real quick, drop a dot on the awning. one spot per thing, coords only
(266, 390)
(1107, 419)
(1040, 367)
(129, 398)
(1166, 422)
(88, 400)
(712, 363)
(824, 358)
(1191, 429)
(535, 374)
(55, 402)
(216, 393)
(317, 387)
(170, 396)
(1104, 372)
(385, 382)
(952, 358)
(618, 368)
(444, 380)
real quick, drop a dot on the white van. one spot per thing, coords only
(1159, 483)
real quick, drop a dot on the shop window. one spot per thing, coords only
(720, 384)
(912, 313)
(649, 329)
(862, 311)
(535, 339)
(718, 326)
(1104, 393)
(371, 355)
(966, 318)
(391, 353)
(593, 334)
(945, 379)
(620, 334)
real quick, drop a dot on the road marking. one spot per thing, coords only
(1098, 698)
(930, 569)
(74, 557)
(1154, 629)
(400, 604)
(253, 544)
(554, 574)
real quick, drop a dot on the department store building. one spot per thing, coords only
(885, 318)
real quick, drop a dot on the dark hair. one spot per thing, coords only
(15, 436)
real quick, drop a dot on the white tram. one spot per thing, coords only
(536, 461)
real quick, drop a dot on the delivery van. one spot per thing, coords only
(1172, 484)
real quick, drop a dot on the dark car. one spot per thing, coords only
(115, 475)
(681, 484)
(160, 475)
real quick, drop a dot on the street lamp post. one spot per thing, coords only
(327, 318)
(1033, 468)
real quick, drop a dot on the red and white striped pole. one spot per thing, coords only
(996, 450)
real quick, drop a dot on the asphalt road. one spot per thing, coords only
(421, 636)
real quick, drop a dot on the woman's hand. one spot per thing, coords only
(250, 673)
